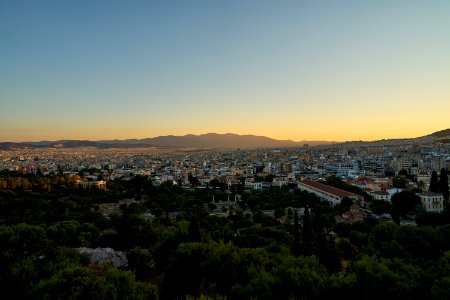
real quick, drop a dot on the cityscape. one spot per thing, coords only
(368, 166)
(343, 186)
(213, 150)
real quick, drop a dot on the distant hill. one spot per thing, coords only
(209, 140)
(442, 136)
(216, 141)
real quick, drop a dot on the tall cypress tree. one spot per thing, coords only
(306, 234)
(296, 242)
(443, 183)
(434, 183)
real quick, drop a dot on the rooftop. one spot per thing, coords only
(327, 188)
(429, 194)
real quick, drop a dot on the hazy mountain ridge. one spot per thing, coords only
(215, 140)
(442, 136)
(209, 140)
(228, 140)
(442, 133)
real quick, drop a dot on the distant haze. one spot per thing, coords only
(209, 140)
(212, 140)
(229, 140)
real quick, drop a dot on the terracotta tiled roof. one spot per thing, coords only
(328, 189)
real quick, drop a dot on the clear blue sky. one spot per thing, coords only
(335, 70)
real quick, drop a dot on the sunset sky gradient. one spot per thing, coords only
(300, 70)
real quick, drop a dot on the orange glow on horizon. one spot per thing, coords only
(314, 134)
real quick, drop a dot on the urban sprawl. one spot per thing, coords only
(371, 168)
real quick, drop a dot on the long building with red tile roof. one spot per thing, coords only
(326, 192)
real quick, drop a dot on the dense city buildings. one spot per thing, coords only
(167, 215)
(369, 167)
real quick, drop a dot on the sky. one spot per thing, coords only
(302, 70)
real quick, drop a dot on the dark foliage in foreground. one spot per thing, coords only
(186, 251)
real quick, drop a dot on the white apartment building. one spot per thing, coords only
(380, 195)
(432, 202)
(280, 181)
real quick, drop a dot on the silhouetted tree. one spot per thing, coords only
(296, 242)
(434, 183)
(269, 178)
(443, 183)
(403, 203)
(279, 212)
(192, 179)
(194, 230)
(307, 234)
(403, 172)
(399, 182)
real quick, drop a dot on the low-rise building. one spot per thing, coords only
(326, 192)
(380, 195)
(432, 202)
(251, 183)
(280, 181)
(98, 184)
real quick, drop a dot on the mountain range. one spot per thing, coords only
(209, 140)
(214, 141)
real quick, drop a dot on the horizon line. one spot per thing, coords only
(190, 134)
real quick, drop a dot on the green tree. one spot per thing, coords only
(344, 249)
(380, 207)
(399, 182)
(380, 278)
(140, 261)
(65, 233)
(279, 212)
(403, 172)
(441, 285)
(125, 286)
(402, 203)
(345, 204)
(88, 235)
(301, 278)
(73, 282)
(384, 240)
(421, 185)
